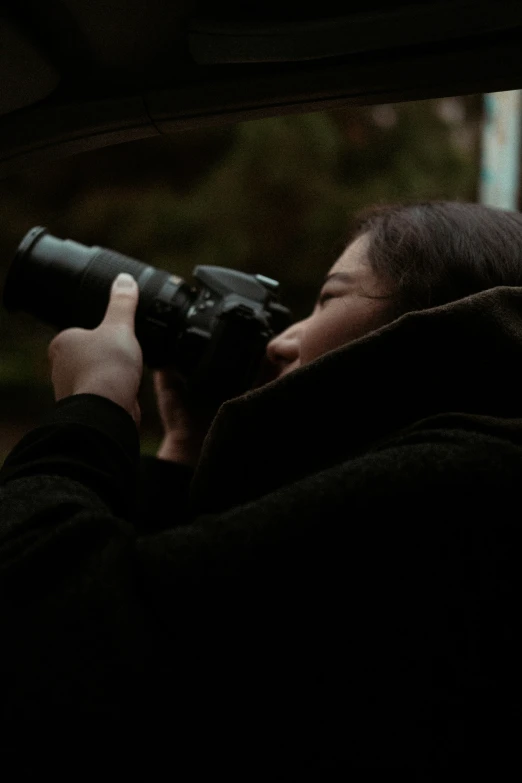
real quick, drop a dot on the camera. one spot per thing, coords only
(213, 331)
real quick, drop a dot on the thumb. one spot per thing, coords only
(123, 301)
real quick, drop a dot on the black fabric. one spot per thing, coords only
(336, 586)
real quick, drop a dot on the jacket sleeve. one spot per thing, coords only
(90, 439)
(340, 589)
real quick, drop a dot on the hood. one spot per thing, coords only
(460, 358)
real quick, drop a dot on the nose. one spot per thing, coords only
(280, 354)
(283, 350)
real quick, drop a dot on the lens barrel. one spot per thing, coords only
(64, 283)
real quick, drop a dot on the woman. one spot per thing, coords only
(331, 581)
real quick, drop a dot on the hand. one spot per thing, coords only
(107, 360)
(185, 423)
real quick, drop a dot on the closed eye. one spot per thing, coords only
(324, 298)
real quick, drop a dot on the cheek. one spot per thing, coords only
(338, 325)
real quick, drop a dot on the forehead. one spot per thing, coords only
(355, 258)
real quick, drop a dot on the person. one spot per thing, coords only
(325, 575)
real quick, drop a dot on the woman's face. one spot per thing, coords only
(342, 313)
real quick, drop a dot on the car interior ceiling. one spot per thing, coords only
(77, 75)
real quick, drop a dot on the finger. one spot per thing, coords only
(157, 380)
(123, 301)
(168, 380)
(65, 336)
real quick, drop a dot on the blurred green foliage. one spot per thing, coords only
(274, 196)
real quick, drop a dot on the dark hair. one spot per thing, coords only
(440, 251)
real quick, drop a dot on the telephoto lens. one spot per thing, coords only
(64, 283)
(213, 332)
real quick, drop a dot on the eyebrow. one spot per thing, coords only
(344, 277)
